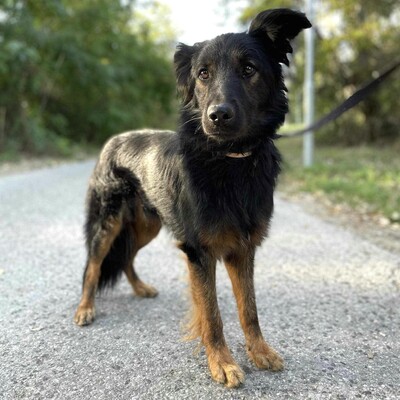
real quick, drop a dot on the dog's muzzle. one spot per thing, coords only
(221, 114)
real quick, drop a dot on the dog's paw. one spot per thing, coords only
(142, 289)
(225, 370)
(84, 315)
(265, 357)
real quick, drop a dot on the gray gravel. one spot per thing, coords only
(328, 301)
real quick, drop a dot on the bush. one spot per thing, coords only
(78, 72)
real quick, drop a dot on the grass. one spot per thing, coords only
(366, 178)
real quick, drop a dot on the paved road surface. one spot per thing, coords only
(328, 301)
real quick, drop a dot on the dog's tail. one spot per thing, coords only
(100, 210)
(117, 259)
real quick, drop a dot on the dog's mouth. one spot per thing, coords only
(222, 135)
(218, 132)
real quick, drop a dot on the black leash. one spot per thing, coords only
(349, 103)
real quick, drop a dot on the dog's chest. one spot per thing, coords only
(239, 190)
(232, 209)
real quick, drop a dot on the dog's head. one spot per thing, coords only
(232, 86)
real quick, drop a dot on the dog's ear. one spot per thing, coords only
(183, 69)
(279, 26)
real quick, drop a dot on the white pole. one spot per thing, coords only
(308, 139)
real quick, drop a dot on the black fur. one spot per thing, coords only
(211, 184)
(188, 178)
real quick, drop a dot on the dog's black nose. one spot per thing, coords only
(220, 113)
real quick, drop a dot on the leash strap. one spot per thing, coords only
(349, 103)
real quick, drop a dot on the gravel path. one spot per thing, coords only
(328, 301)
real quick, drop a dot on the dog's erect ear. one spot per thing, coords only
(183, 68)
(279, 26)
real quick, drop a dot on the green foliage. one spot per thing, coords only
(78, 71)
(256, 6)
(360, 177)
(355, 40)
(368, 40)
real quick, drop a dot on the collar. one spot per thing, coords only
(239, 155)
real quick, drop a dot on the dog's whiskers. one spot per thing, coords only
(192, 120)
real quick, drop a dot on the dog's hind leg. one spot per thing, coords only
(98, 250)
(146, 226)
(140, 288)
(240, 267)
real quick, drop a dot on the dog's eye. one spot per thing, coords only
(248, 71)
(204, 74)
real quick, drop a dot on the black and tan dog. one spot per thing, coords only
(211, 183)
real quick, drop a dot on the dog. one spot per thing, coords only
(211, 183)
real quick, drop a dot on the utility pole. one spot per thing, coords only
(308, 139)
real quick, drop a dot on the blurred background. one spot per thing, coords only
(74, 72)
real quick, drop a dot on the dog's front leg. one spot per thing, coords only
(206, 319)
(240, 266)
